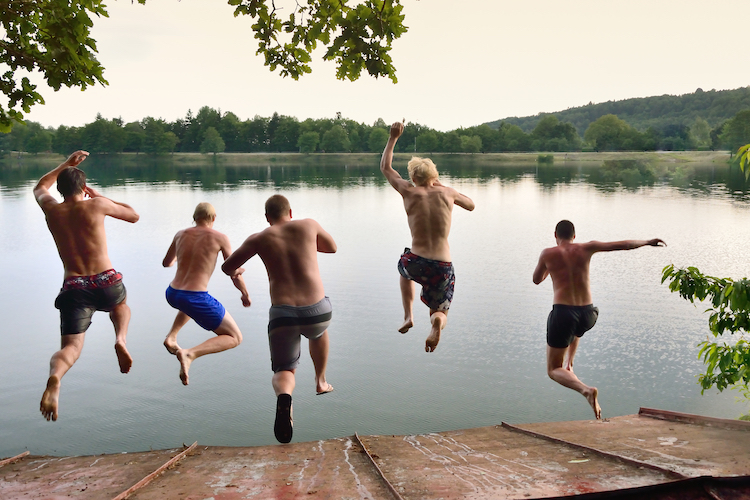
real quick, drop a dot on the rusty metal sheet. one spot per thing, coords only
(335, 468)
(494, 463)
(88, 477)
(688, 448)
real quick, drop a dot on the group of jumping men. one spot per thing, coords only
(299, 306)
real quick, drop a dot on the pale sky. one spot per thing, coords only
(459, 65)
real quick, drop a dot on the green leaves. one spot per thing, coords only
(52, 37)
(743, 158)
(726, 364)
(356, 37)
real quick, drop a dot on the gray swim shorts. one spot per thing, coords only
(287, 323)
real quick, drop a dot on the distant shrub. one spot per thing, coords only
(545, 158)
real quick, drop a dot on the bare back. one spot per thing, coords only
(568, 265)
(289, 251)
(196, 250)
(77, 227)
(429, 210)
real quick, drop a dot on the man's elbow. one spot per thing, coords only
(229, 271)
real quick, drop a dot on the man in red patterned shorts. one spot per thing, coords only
(90, 283)
(429, 208)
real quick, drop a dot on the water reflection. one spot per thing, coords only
(209, 173)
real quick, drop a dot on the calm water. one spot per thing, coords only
(489, 367)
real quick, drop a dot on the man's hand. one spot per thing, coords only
(246, 302)
(91, 192)
(656, 242)
(76, 158)
(396, 130)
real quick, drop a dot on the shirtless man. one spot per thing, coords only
(429, 206)
(573, 313)
(299, 306)
(90, 283)
(195, 250)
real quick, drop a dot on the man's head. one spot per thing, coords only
(71, 182)
(204, 212)
(565, 230)
(277, 206)
(422, 170)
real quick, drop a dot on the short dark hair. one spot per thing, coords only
(71, 181)
(565, 230)
(277, 206)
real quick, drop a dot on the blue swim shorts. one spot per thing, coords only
(200, 306)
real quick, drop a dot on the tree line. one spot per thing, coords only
(211, 131)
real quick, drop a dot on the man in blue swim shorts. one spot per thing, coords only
(572, 312)
(195, 250)
(90, 283)
(429, 208)
(299, 306)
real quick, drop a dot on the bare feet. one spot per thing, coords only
(123, 358)
(405, 327)
(434, 337)
(48, 405)
(324, 389)
(592, 397)
(171, 344)
(185, 361)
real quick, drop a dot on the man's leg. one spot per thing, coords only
(319, 355)
(228, 336)
(171, 341)
(120, 317)
(407, 299)
(555, 358)
(283, 385)
(572, 348)
(59, 364)
(438, 320)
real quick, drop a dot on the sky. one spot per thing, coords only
(460, 64)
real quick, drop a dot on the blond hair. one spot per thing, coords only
(204, 211)
(422, 170)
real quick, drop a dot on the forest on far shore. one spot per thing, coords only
(700, 121)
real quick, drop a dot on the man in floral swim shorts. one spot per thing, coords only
(429, 208)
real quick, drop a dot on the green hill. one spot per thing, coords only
(714, 106)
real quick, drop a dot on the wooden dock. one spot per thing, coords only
(652, 455)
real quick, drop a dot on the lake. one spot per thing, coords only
(490, 364)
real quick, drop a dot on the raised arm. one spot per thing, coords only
(237, 280)
(386, 161)
(41, 190)
(610, 246)
(115, 209)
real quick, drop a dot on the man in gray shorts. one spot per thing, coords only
(299, 305)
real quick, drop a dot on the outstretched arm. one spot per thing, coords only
(231, 265)
(609, 246)
(41, 190)
(386, 161)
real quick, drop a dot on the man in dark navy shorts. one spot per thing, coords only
(573, 313)
(90, 283)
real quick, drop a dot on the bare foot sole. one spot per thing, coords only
(405, 327)
(48, 405)
(185, 362)
(282, 427)
(171, 346)
(123, 358)
(326, 390)
(593, 400)
(432, 341)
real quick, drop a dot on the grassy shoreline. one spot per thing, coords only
(12, 160)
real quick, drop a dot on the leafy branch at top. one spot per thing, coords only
(726, 364)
